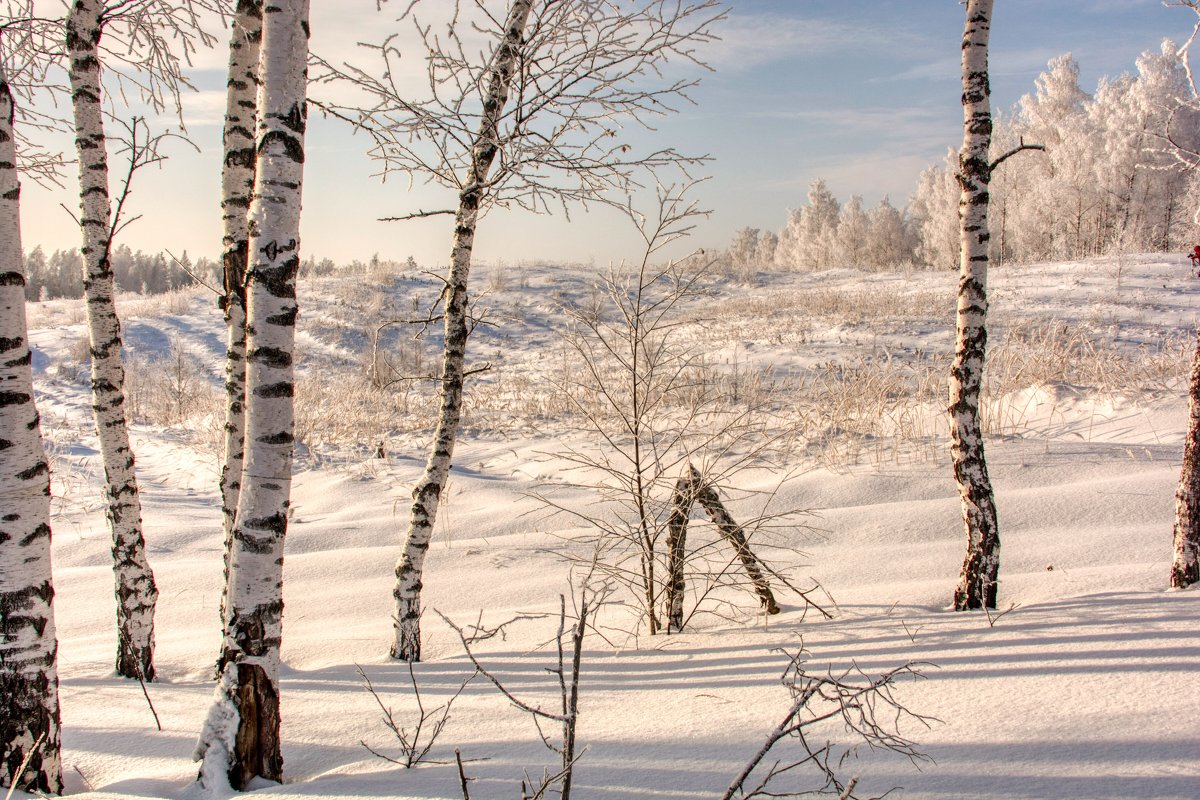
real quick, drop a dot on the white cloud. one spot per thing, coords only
(753, 40)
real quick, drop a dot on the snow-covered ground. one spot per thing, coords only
(1086, 687)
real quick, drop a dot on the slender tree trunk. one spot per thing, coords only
(688, 490)
(977, 584)
(1185, 565)
(733, 533)
(29, 719)
(681, 505)
(237, 187)
(135, 589)
(241, 737)
(428, 490)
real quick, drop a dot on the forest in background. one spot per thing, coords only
(1110, 175)
(1106, 167)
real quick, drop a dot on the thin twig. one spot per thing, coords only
(37, 744)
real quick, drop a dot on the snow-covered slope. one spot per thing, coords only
(1084, 687)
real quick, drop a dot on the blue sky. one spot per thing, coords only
(862, 94)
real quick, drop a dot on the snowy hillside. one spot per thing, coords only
(1085, 686)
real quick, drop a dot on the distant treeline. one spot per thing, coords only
(1109, 180)
(60, 274)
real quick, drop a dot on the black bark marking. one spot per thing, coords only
(275, 524)
(13, 399)
(271, 357)
(274, 390)
(292, 147)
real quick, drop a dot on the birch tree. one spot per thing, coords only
(135, 588)
(1185, 560)
(427, 492)
(241, 738)
(150, 38)
(538, 125)
(29, 715)
(977, 584)
(237, 187)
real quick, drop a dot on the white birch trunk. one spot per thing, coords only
(1185, 562)
(28, 645)
(428, 490)
(241, 738)
(237, 187)
(135, 589)
(977, 584)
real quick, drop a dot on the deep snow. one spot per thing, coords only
(1085, 688)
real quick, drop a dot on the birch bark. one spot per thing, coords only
(28, 645)
(237, 187)
(682, 498)
(1185, 563)
(240, 740)
(977, 583)
(707, 495)
(427, 492)
(135, 589)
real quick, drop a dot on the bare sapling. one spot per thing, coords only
(648, 414)
(864, 707)
(414, 745)
(568, 643)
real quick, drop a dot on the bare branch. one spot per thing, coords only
(1018, 149)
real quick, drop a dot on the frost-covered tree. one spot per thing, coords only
(787, 247)
(29, 716)
(977, 584)
(532, 122)
(852, 244)
(891, 241)
(818, 227)
(934, 210)
(1054, 115)
(768, 243)
(743, 251)
(1145, 182)
(241, 739)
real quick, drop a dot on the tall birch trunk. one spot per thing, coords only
(977, 584)
(428, 490)
(29, 718)
(241, 740)
(237, 187)
(135, 589)
(1185, 564)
